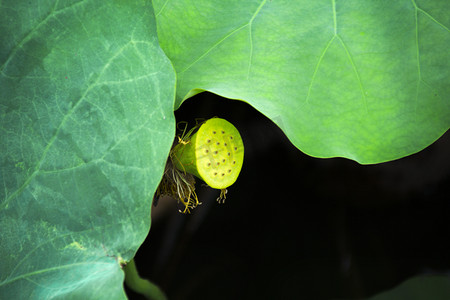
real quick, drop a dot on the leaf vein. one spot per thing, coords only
(322, 55)
(355, 70)
(29, 274)
(58, 129)
(429, 16)
(26, 38)
(162, 8)
(419, 75)
(251, 36)
(9, 279)
(216, 44)
(213, 47)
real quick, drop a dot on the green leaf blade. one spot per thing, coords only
(87, 122)
(365, 81)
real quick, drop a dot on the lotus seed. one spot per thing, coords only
(223, 132)
(214, 132)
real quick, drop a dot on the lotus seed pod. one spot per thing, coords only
(215, 153)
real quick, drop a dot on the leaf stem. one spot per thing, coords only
(140, 285)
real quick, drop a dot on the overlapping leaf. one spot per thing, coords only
(86, 122)
(366, 80)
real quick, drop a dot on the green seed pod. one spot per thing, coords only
(215, 153)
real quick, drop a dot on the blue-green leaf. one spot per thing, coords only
(86, 123)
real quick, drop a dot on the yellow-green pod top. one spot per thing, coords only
(215, 153)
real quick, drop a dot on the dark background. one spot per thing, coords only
(298, 227)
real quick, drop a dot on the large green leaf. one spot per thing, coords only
(366, 80)
(86, 114)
